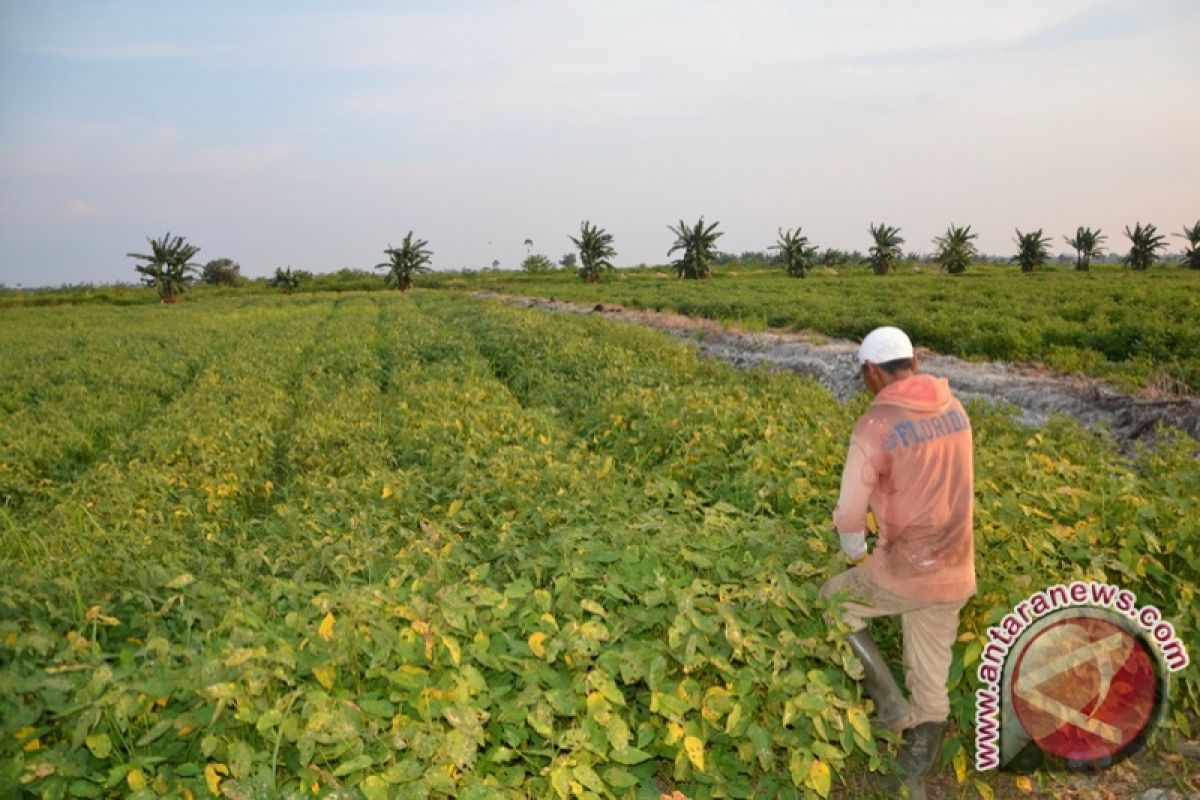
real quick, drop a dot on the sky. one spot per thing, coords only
(315, 135)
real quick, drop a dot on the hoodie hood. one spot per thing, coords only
(920, 393)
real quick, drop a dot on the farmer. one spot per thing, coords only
(909, 464)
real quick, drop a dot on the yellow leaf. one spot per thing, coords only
(325, 674)
(181, 581)
(32, 744)
(594, 630)
(386, 493)
(325, 630)
(820, 778)
(212, 777)
(454, 508)
(1024, 784)
(136, 780)
(537, 643)
(859, 722)
(695, 751)
(735, 718)
(594, 607)
(607, 468)
(95, 615)
(453, 648)
(960, 766)
(24, 733)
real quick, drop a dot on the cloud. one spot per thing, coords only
(236, 160)
(117, 52)
(76, 209)
(623, 61)
(625, 35)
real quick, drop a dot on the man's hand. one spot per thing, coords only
(854, 545)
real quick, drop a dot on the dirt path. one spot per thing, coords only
(1036, 393)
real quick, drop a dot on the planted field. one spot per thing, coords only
(429, 546)
(1136, 328)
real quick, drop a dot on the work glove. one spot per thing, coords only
(854, 545)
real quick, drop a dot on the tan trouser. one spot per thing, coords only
(929, 633)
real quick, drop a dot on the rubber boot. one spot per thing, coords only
(891, 709)
(919, 755)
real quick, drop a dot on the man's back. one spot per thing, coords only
(910, 461)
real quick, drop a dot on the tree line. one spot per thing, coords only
(169, 268)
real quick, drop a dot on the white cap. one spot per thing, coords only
(883, 345)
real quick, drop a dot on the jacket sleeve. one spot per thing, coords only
(858, 481)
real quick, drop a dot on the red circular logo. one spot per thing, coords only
(1085, 688)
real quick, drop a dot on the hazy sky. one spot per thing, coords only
(315, 134)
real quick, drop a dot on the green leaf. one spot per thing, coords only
(799, 764)
(629, 755)
(100, 745)
(81, 788)
(560, 782)
(375, 788)
(618, 733)
(763, 749)
(377, 708)
(619, 778)
(588, 777)
(353, 765)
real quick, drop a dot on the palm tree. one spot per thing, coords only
(885, 252)
(699, 248)
(168, 267)
(406, 261)
(798, 255)
(286, 280)
(956, 249)
(1033, 250)
(1191, 255)
(1145, 242)
(595, 252)
(1087, 246)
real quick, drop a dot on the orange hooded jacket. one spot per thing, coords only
(910, 462)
